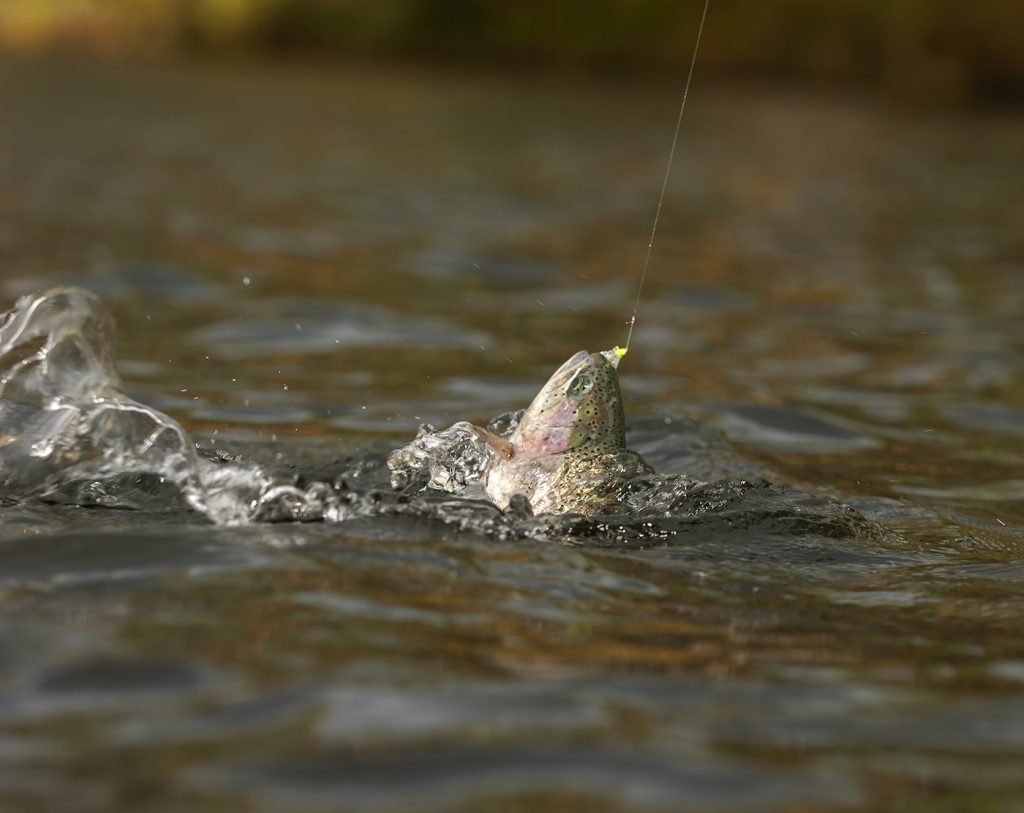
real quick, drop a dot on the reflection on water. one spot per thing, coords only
(306, 267)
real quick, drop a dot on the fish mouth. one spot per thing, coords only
(613, 356)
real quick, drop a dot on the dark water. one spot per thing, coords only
(304, 267)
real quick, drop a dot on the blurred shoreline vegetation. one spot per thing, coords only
(931, 50)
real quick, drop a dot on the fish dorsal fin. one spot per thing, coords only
(497, 444)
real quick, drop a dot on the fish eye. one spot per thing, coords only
(580, 385)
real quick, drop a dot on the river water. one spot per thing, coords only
(305, 264)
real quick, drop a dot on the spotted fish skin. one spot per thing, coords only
(568, 454)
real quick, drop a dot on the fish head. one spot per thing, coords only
(579, 407)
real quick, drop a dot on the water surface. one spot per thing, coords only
(305, 266)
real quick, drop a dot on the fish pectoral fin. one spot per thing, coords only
(499, 445)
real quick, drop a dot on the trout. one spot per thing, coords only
(568, 453)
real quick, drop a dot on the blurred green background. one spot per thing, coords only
(944, 51)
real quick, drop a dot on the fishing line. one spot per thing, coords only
(664, 184)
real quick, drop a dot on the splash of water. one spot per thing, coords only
(71, 434)
(448, 460)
